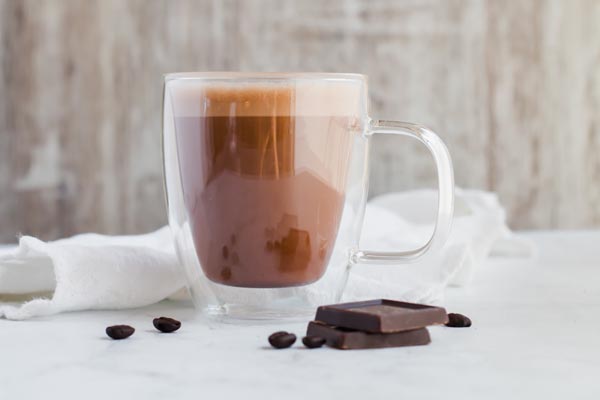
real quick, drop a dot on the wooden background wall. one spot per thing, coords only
(512, 86)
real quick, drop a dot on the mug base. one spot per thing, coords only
(239, 314)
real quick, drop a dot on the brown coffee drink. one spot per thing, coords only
(262, 184)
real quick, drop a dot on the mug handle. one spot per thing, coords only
(445, 175)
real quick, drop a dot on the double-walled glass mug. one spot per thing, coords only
(266, 178)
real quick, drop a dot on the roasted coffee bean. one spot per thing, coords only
(275, 335)
(166, 324)
(313, 342)
(458, 321)
(282, 340)
(119, 332)
(278, 333)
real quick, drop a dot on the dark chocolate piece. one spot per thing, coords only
(381, 316)
(456, 320)
(346, 339)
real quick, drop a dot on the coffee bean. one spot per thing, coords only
(275, 335)
(119, 332)
(458, 321)
(166, 324)
(278, 333)
(313, 342)
(282, 340)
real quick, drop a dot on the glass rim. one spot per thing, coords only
(262, 76)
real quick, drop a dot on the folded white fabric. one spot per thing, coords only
(92, 271)
(401, 221)
(89, 272)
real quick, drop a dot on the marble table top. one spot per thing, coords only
(535, 335)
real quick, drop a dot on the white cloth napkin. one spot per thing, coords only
(91, 271)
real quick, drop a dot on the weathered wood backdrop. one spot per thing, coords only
(512, 86)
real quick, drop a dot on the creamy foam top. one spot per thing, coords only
(198, 98)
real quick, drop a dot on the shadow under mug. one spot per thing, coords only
(266, 178)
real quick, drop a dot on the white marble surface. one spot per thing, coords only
(536, 334)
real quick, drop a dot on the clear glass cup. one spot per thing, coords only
(266, 178)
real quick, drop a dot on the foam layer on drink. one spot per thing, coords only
(198, 98)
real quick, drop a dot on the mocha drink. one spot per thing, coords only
(263, 180)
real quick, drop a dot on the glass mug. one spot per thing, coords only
(266, 178)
